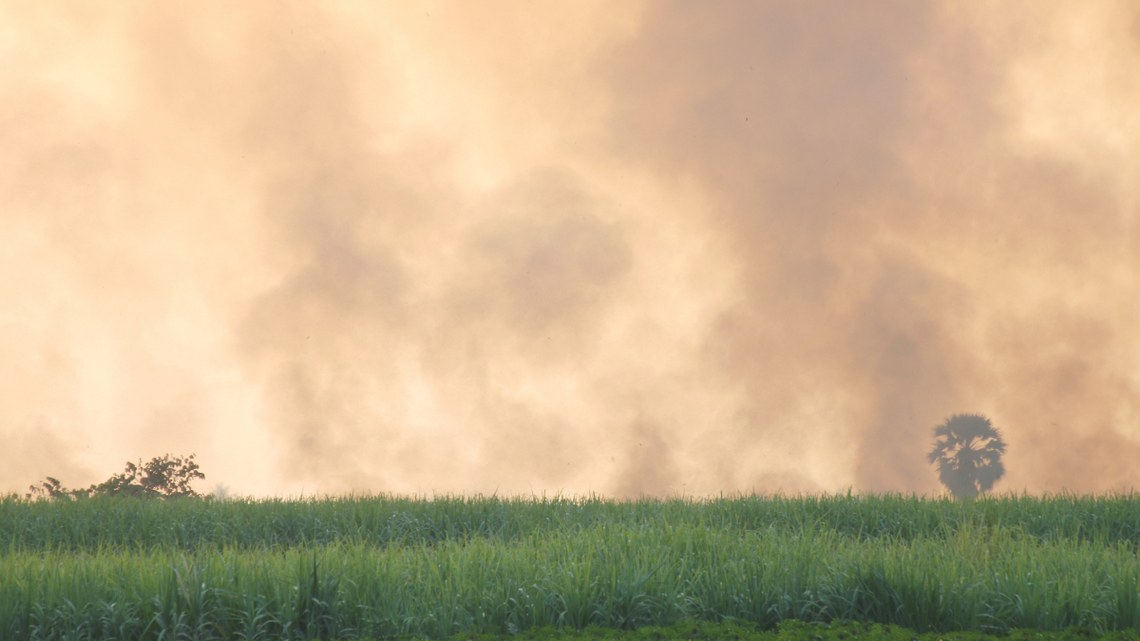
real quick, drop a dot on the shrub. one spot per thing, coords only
(163, 477)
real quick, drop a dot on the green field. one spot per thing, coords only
(382, 567)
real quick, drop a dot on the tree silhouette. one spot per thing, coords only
(967, 451)
(164, 477)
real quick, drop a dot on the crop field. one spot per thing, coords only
(384, 567)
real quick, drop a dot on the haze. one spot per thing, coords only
(626, 248)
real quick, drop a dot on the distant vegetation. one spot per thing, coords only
(967, 452)
(164, 477)
(385, 567)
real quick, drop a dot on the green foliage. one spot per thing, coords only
(163, 477)
(402, 521)
(618, 578)
(790, 630)
(383, 567)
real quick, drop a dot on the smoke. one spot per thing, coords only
(654, 248)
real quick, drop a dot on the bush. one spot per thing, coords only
(163, 477)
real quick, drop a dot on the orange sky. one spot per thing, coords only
(624, 248)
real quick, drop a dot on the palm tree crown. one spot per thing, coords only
(967, 451)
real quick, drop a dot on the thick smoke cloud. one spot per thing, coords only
(660, 248)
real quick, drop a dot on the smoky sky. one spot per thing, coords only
(631, 248)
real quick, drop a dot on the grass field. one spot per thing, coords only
(385, 567)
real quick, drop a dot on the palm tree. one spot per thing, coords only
(967, 451)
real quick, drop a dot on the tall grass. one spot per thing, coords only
(620, 576)
(381, 520)
(384, 566)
